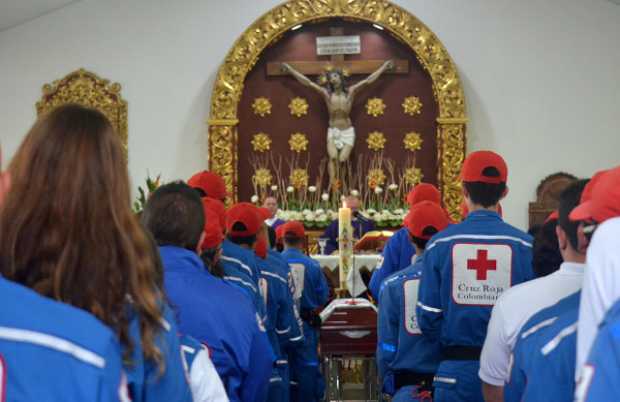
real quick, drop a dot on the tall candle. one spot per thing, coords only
(345, 244)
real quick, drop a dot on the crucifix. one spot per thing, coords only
(337, 94)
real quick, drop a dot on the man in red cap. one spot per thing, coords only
(311, 292)
(406, 358)
(209, 184)
(466, 268)
(399, 252)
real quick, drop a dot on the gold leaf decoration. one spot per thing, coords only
(299, 178)
(262, 177)
(298, 106)
(375, 178)
(261, 106)
(375, 107)
(298, 142)
(376, 141)
(412, 105)
(413, 141)
(261, 142)
(413, 176)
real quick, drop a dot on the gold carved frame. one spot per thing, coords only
(429, 50)
(88, 89)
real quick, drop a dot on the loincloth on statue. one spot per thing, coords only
(340, 137)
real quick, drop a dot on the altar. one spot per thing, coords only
(362, 266)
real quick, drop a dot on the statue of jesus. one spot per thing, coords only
(339, 99)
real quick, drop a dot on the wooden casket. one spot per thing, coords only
(348, 342)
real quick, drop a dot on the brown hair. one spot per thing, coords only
(67, 230)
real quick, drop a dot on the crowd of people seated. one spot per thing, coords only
(193, 301)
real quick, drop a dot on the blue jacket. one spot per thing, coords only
(220, 315)
(310, 284)
(54, 352)
(146, 382)
(398, 254)
(401, 344)
(240, 268)
(466, 267)
(544, 355)
(361, 226)
(599, 377)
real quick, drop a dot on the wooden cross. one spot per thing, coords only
(337, 61)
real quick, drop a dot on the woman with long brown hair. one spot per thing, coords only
(67, 231)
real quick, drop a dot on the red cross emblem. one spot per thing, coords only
(482, 265)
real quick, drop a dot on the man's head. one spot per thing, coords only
(423, 192)
(5, 181)
(484, 175)
(293, 234)
(567, 231)
(353, 202)
(424, 220)
(175, 216)
(243, 222)
(600, 200)
(271, 203)
(209, 184)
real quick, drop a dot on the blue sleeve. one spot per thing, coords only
(111, 382)
(599, 377)
(287, 327)
(331, 233)
(515, 387)
(390, 264)
(387, 344)
(428, 310)
(171, 385)
(259, 371)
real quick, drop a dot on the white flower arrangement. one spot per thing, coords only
(393, 187)
(325, 197)
(290, 189)
(355, 193)
(274, 188)
(378, 190)
(312, 189)
(254, 199)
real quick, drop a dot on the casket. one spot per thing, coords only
(349, 328)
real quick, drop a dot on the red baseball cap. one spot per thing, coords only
(423, 215)
(245, 214)
(260, 248)
(295, 228)
(263, 213)
(600, 199)
(553, 216)
(423, 192)
(279, 233)
(213, 233)
(216, 209)
(476, 163)
(211, 183)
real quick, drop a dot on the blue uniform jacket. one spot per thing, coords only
(146, 382)
(599, 376)
(361, 226)
(401, 344)
(398, 254)
(310, 284)
(543, 360)
(51, 351)
(466, 267)
(220, 315)
(240, 267)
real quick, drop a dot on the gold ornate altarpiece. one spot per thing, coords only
(423, 42)
(88, 89)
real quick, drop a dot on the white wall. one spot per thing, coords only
(541, 77)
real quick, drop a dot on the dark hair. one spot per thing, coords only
(546, 251)
(241, 240)
(208, 257)
(292, 240)
(174, 215)
(485, 194)
(419, 242)
(569, 199)
(200, 192)
(67, 230)
(343, 79)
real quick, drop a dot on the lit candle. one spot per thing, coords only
(345, 244)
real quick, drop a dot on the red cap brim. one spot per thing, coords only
(582, 212)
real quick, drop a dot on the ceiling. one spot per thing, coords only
(15, 12)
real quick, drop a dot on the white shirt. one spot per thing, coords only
(601, 286)
(512, 310)
(271, 221)
(204, 381)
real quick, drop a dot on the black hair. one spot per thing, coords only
(569, 199)
(419, 242)
(546, 251)
(486, 194)
(208, 257)
(328, 83)
(200, 191)
(271, 233)
(292, 240)
(241, 240)
(174, 215)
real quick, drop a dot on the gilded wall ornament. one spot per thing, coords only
(299, 178)
(413, 141)
(375, 107)
(261, 106)
(298, 142)
(262, 177)
(267, 29)
(261, 142)
(413, 176)
(298, 106)
(376, 141)
(412, 105)
(88, 89)
(375, 178)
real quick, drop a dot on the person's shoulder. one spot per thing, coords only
(512, 231)
(517, 293)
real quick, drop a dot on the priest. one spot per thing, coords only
(361, 225)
